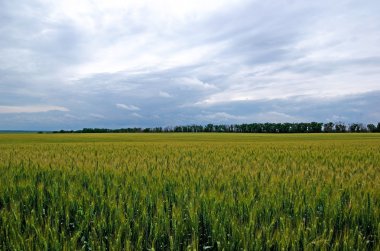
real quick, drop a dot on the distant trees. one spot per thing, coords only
(355, 127)
(328, 127)
(340, 127)
(312, 127)
(371, 128)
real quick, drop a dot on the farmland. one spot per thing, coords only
(189, 191)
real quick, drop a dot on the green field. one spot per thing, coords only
(189, 191)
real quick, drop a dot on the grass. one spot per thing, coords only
(189, 191)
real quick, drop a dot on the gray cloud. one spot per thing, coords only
(31, 109)
(121, 64)
(128, 107)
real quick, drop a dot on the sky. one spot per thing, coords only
(73, 64)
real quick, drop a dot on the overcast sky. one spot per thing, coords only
(74, 64)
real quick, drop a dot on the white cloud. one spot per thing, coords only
(221, 116)
(164, 94)
(276, 117)
(137, 115)
(31, 109)
(128, 107)
(194, 83)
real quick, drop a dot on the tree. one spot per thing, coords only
(371, 128)
(355, 127)
(315, 127)
(328, 127)
(340, 127)
(209, 128)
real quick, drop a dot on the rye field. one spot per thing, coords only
(190, 191)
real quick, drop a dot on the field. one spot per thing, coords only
(189, 191)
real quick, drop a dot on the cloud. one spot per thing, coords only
(277, 117)
(164, 94)
(194, 62)
(135, 114)
(194, 83)
(128, 107)
(97, 116)
(220, 116)
(31, 109)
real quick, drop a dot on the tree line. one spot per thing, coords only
(312, 127)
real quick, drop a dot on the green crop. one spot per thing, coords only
(189, 191)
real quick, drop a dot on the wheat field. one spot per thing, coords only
(190, 191)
